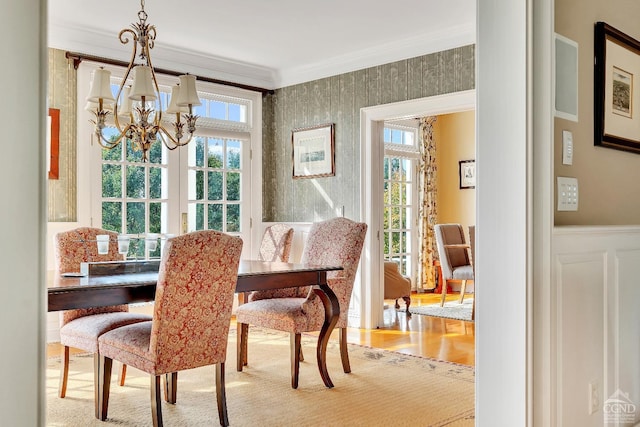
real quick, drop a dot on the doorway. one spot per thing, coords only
(371, 289)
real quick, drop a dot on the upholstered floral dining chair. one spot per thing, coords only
(275, 247)
(81, 328)
(336, 241)
(191, 319)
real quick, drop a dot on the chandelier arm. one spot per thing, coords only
(134, 51)
(110, 145)
(164, 133)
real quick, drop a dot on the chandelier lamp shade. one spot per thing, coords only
(137, 108)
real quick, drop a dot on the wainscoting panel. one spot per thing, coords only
(625, 339)
(580, 332)
(596, 324)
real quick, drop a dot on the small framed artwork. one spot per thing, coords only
(467, 174)
(617, 66)
(53, 143)
(313, 151)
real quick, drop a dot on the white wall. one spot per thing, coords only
(23, 31)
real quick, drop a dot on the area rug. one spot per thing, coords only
(384, 388)
(451, 309)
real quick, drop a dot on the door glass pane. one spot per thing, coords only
(233, 154)
(112, 216)
(155, 183)
(135, 182)
(155, 216)
(135, 218)
(233, 218)
(233, 186)
(111, 180)
(215, 217)
(215, 185)
(214, 158)
(198, 185)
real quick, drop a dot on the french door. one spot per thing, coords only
(400, 219)
(206, 184)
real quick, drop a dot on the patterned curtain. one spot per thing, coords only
(428, 206)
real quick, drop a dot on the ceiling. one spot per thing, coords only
(268, 44)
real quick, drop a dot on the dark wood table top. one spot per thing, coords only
(66, 293)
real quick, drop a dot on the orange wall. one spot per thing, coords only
(455, 141)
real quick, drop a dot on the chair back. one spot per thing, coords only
(472, 245)
(451, 258)
(275, 246)
(276, 243)
(337, 241)
(79, 245)
(194, 296)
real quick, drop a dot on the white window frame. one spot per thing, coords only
(410, 152)
(89, 185)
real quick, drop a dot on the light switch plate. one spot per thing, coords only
(567, 147)
(567, 194)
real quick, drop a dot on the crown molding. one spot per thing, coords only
(106, 44)
(396, 50)
(101, 43)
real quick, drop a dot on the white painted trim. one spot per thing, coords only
(85, 39)
(371, 119)
(541, 369)
(504, 212)
(411, 47)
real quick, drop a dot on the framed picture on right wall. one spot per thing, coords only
(467, 174)
(616, 72)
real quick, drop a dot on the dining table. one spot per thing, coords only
(132, 285)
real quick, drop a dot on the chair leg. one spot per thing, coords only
(221, 395)
(122, 375)
(463, 288)
(344, 354)
(407, 301)
(64, 371)
(156, 401)
(241, 350)
(444, 293)
(473, 309)
(295, 359)
(301, 354)
(171, 387)
(102, 378)
(397, 306)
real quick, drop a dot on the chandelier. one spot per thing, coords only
(137, 109)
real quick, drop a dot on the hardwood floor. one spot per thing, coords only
(439, 338)
(436, 337)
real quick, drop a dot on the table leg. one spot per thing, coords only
(331, 315)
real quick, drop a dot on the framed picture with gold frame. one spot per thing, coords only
(313, 151)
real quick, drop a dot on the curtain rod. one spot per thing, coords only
(79, 57)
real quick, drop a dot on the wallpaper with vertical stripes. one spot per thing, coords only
(338, 100)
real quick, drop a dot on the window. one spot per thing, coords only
(211, 183)
(400, 197)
